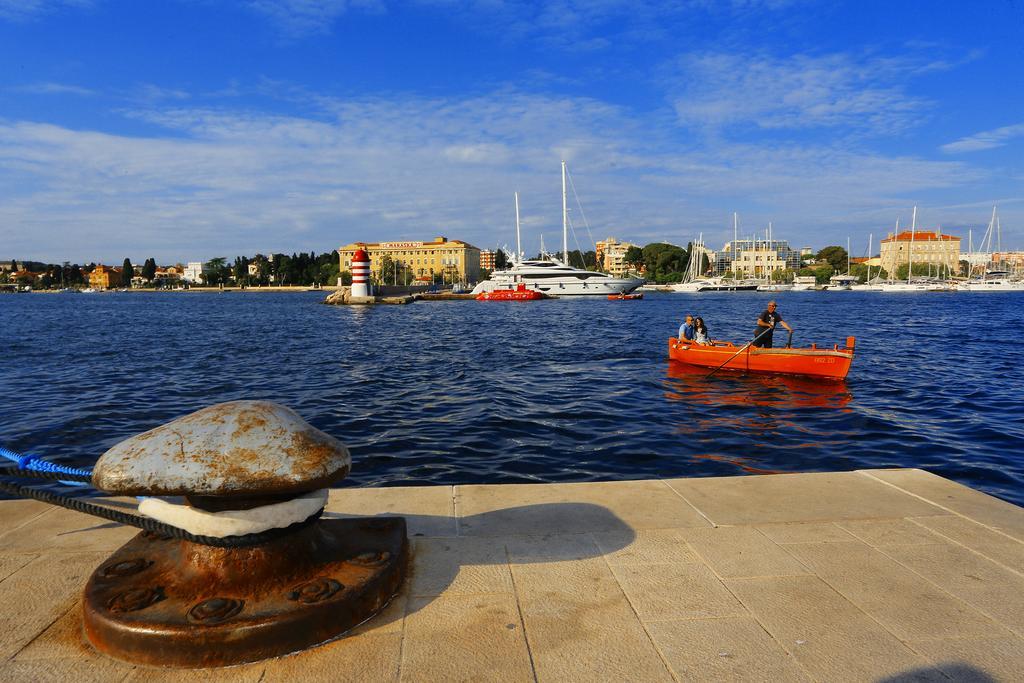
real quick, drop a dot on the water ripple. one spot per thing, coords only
(568, 390)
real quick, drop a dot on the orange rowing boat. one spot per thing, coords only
(822, 363)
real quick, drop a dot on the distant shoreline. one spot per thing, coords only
(245, 290)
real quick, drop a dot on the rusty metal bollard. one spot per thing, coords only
(244, 468)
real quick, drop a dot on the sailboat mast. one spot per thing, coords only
(519, 248)
(565, 220)
(870, 235)
(910, 249)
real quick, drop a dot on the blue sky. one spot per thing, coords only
(188, 129)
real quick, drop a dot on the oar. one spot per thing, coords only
(740, 351)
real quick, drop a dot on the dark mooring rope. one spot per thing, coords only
(144, 523)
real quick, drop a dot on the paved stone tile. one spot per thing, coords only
(676, 591)
(460, 565)
(499, 510)
(65, 530)
(465, 638)
(992, 544)
(878, 532)
(804, 532)
(733, 649)
(39, 593)
(976, 660)
(993, 589)
(983, 508)
(906, 603)
(555, 547)
(13, 562)
(580, 625)
(359, 659)
(14, 513)
(824, 632)
(742, 551)
(63, 671)
(646, 546)
(243, 673)
(62, 640)
(778, 498)
(428, 510)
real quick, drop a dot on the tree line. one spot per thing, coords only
(299, 269)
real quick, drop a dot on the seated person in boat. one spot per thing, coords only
(700, 332)
(766, 323)
(686, 330)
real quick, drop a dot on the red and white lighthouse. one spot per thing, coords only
(360, 273)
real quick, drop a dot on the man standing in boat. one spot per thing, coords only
(766, 323)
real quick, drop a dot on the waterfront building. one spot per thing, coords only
(443, 259)
(1012, 261)
(194, 272)
(928, 247)
(611, 254)
(486, 259)
(170, 276)
(755, 258)
(105, 277)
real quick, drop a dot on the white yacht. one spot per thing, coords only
(803, 283)
(553, 276)
(996, 284)
(775, 287)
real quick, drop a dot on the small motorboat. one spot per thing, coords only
(814, 361)
(625, 297)
(520, 293)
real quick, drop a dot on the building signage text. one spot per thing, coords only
(400, 245)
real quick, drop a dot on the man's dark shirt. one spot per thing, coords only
(766, 332)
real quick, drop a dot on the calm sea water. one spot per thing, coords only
(567, 390)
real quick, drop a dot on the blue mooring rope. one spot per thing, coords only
(37, 464)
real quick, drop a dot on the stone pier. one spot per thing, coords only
(875, 575)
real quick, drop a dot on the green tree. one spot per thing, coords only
(783, 275)
(213, 275)
(835, 257)
(241, 270)
(662, 260)
(821, 273)
(387, 272)
(127, 273)
(920, 270)
(500, 260)
(149, 269)
(634, 257)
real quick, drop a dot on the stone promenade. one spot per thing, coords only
(880, 575)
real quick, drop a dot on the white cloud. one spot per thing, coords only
(214, 181)
(53, 89)
(297, 18)
(718, 90)
(23, 10)
(989, 139)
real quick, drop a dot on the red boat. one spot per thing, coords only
(520, 293)
(820, 363)
(625, 297)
